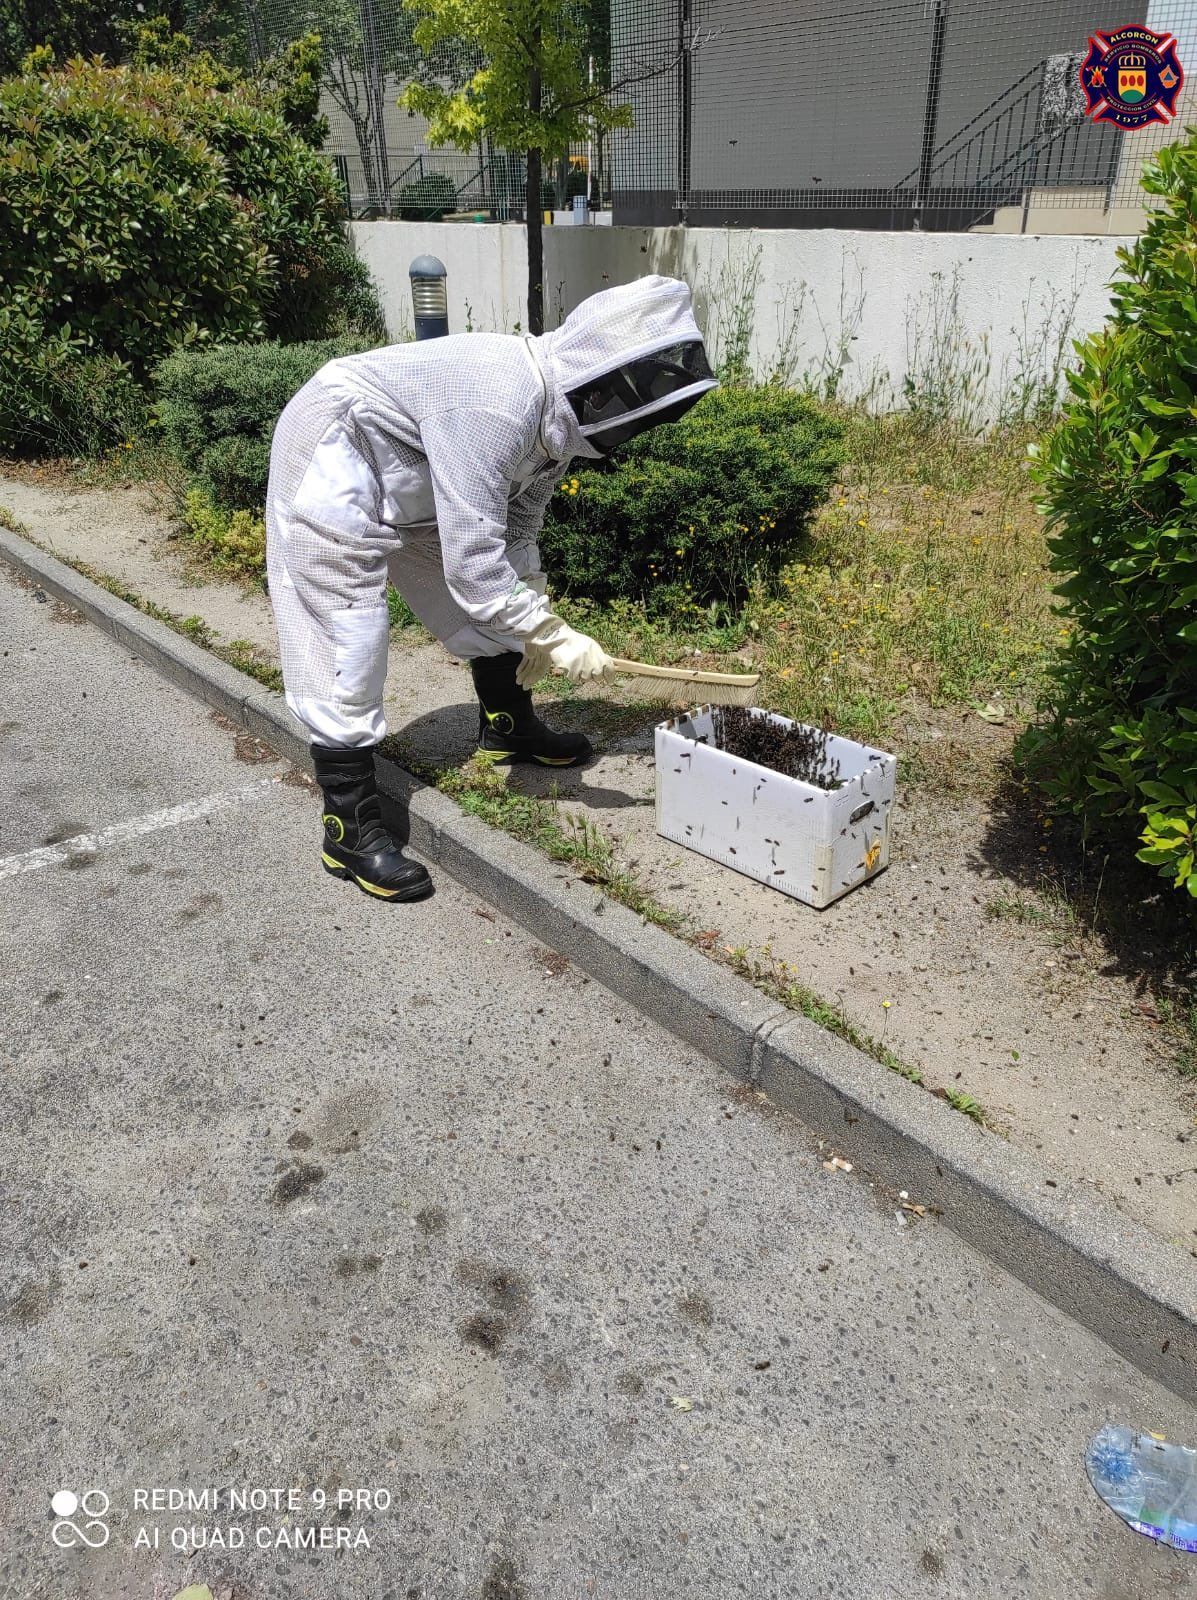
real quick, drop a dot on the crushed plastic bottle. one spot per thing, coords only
(1150, 1483)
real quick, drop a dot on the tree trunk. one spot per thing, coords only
(535, 199)
(535, 213)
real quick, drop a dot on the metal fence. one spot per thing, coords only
(860, 113)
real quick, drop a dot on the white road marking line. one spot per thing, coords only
(136, 828)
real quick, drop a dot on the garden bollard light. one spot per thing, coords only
(429, 298)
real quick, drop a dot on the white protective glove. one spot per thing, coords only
(553, 646)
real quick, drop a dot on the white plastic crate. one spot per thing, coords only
(811, 843)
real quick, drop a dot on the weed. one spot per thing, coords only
(1049, 910)
(1179, 1017)
(732, 314)
(826, 378)
(964, 1103)
(483, 792)
(9, 520)
(237, 653)
(231, 541)
(1030, 381)
(400, 613)
(947, 373)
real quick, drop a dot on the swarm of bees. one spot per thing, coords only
(796, 752)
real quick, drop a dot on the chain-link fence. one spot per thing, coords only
(859, 113)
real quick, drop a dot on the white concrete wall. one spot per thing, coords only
(890, 302)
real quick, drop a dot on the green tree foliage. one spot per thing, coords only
(364, 44)
(532, 92)
(698, 510)
(1118, 747)
(104, 27)
(162, 203)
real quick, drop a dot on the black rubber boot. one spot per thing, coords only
(356, 844)
(509, 729)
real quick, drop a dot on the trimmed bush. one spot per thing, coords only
(698, 510)
(428, 199)
(152, 206)
(218, 409)
(1118, 747)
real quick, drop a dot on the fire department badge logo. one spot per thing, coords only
(1131, 77)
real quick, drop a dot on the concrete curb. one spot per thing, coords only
(1078, 1251)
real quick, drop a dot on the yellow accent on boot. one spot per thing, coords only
(555, 761)
(494, 755)
(342, 871)
(374, 888)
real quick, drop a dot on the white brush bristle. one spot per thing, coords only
(680, 694)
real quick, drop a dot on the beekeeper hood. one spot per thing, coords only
(628, 359)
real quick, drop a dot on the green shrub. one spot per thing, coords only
(56, 398)
(575, 184)
(695, 511)
(428, 199)
(153, 206)
(218, 408)
(1118, 746)
(232, 540)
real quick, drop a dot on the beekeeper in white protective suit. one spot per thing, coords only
(433, 463)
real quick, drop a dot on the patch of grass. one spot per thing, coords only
(627, 628)
(10, 520)
(401, 614)
(924, 590)
(482, 791)
(1049, 910)
(925, 585)
(239, 653)
(1179, 1016)
(775, 978)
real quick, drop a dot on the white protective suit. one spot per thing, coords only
(434, 462)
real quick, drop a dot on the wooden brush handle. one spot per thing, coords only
(729, 680)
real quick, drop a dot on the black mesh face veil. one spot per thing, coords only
(620, 404)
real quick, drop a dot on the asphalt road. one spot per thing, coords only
(303, 1193)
